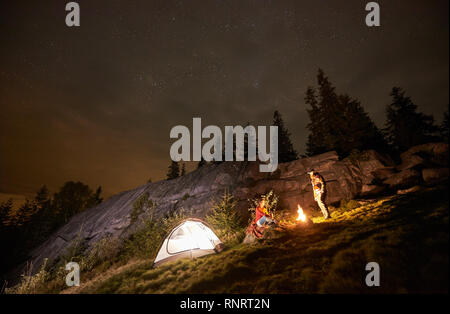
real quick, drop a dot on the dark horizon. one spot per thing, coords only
(96, 103)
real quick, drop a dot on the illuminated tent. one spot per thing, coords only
(190, 239)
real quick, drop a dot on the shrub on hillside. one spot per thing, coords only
(30, 284)
(224, 218)
(346, 205)
(147, 239)
(105, 250)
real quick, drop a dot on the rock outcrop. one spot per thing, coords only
(403, 179)
(422, 164)
(435, 153)
(346, 179)
(434, 175)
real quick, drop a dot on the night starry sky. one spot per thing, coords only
(96, 103)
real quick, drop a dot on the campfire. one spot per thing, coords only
(301, 214)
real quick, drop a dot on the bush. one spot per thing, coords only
(147, 239)
(30, 284)
(224, 218)
(106, 249)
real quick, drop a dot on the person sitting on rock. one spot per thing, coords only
(318, 184)
(262, 216)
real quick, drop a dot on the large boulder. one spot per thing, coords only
(434, 175)
(410, 161)
(383, 173)
(409, 190)
(426, 162)
(436, 153)
(374, 166)
(371, 189)
(406, 178)
(292, 184)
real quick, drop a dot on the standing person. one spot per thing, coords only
(318, 184)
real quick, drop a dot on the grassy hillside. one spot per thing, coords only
(407, 235)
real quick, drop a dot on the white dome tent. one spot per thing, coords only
(190, 239)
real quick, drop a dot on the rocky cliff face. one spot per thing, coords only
(366, 175)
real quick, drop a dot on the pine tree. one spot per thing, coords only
(72, 198)
(44, 220)
(183, 170)
(324, 116)
(5, 209)
(174, 171)
(314, 144)
(338, 122)
(96, 198)
(356, 129)
(405, 127)
(286, 151)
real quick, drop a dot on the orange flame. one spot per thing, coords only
(301, 215)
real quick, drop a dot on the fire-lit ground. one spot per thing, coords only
(406, 235)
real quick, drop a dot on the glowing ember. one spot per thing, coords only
(301, 215)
